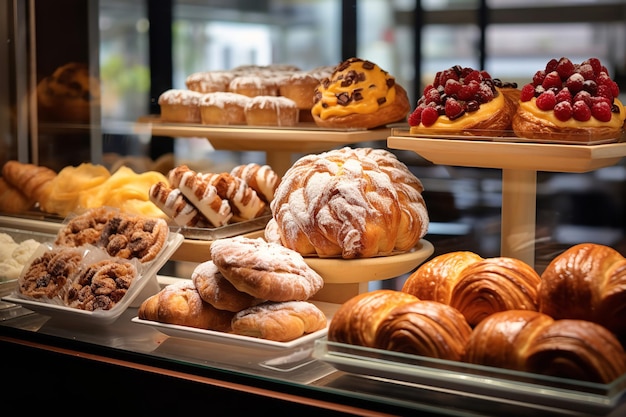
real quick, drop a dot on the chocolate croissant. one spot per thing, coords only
(475, 286)
(531, 341)
(587, 281)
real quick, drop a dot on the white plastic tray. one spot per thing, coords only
(187, 332)
(143, 286)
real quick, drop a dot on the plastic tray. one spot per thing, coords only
(489, 383)
(229, 230)
(143, 286)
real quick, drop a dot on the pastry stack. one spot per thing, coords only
(208, 200)
(249, 287)
(499, 312)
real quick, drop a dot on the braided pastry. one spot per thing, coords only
(476, 287)
(530, 341)
(587, 281)
(201, 194)
(261, 178)
(176, 205)
(353, 203)
(244, 201)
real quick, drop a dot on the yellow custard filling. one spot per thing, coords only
(373, 88)
(617, 119)
(468, 119)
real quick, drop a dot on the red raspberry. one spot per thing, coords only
(583, 96)
(595, 64)
(415, 117)
(601, 111)
(485, 75)
(433, 96)
(575, 83)
(468, 91)
(449, 74)
(538, 77)
(546, 100)
(453, 109)
(563, 111)
(598, 99)
(551, 65)
(614, 88)
(605, 91)
(528, 92)
(427, 89)
(582, 112)
(473, 76)
(484, 94)
(452, 87)
(552, 80)
(437, 77)
(429, 116)
(465, 72)
(564, 95)
(586, 70)
(565, 68)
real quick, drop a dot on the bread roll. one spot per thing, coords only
(31, 180)
(181, 304)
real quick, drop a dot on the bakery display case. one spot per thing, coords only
(159, 367)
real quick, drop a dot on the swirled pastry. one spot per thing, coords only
(48, 276)
(464, 101)
(261, 178)
(176, 206)
(357, 320)
(352, 203)
(359, 94)
(530, 341)
(476, 287)
(244, 201)
(425, 328)
(265, 270)
(588, 282)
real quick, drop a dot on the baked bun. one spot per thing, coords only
(68, 94)
(571, 103)
(359, 94)
(300, 87)
(534, 342)
(350, 203)
(218, 291)
(223, 108)
(476, 287)
(271, 111)
(181, 304)
(424, 328)
(464, 101)
(281, 322)
(266, 271)
(180, 106)
(253, 85)
(357, 321)
(588, 282)
(209, 81)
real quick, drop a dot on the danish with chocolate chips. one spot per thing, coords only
(359, 94)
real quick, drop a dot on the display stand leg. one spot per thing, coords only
(280, 161)
(519, 205)
(340, 293)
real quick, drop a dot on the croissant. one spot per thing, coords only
(357, 320)
(475, 286)
(32, 180)
(587, 281)
(531, 341)
(425, 328)
(13, 200)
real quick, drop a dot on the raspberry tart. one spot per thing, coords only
(567, 102)
(464, 101)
